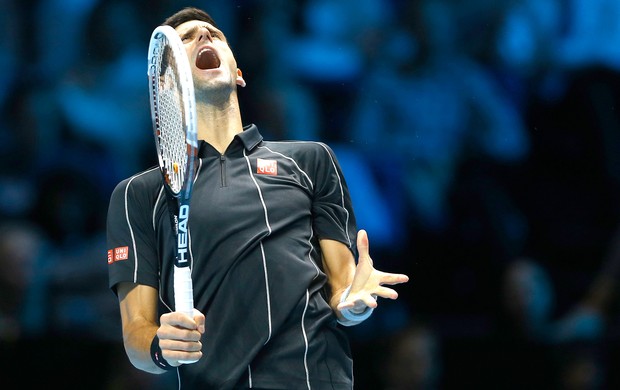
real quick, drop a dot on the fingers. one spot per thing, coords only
(367, 295)
(179, 345)
(177, 333)
(199, 319)
(179, 337)
(359, 303)
(363, 246)
(181, 356)
(388, 278)
(385, 292)
(368, 298)
(180, 320)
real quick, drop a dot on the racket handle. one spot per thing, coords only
(184, 295)
(183, 291)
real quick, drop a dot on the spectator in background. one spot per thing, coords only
(16, 141)
(567, 93)
(309, 62)
(102, 95)
(413, 360)
(60, 41)
(9, 45)
(29, 328)
(289, 108)
(326, 55)
(425, 106)
(557, 59)
(590, 34)
(437, 131)
(538, 348)
(572, 343)
(22, 282)
(69, 211)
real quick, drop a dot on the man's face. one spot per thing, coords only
(213, 63)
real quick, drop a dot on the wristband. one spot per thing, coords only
(157, 356)
(351, 318)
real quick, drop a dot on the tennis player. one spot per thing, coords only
(278, 265)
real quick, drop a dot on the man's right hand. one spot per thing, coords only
(179, 337)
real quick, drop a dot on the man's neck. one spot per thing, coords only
(218, 125)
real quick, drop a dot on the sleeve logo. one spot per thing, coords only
(266, 167)
(116, 254)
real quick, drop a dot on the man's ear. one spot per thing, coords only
(240, 80)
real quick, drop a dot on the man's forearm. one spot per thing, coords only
(137, 339)
(138, 307)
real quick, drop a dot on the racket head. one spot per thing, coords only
(173, 110)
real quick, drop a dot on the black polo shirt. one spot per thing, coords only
(256, 215)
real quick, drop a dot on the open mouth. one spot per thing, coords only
(207, 59)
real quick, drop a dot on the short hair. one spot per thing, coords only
(187, 14)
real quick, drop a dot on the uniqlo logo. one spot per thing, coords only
(116, 254)
(266, 167)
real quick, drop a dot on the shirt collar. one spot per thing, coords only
(249, 138)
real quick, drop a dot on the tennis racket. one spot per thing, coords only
(173, 113)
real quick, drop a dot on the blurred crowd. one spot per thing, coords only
(480, 140)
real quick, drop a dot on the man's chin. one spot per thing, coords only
(209, 77)
(212, 88)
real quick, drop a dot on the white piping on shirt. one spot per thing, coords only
(159, 291)
(335, 170)
(262, 250)
(303, 330)
(294, 162)
(133, 239)
(161, 192)
(189, 232)
(316, 267)
(260, 194)
(346, 225)
(309, 254)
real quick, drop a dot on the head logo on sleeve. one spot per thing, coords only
(116, 254)
(266, 167)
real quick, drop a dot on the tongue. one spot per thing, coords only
(207, 59)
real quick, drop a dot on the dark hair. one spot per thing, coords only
(187, 14)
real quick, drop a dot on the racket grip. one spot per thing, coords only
(183, 291)
(184, 295)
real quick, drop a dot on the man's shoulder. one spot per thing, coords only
(145, 181)
(299, 148)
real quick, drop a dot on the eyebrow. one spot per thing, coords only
(193, 30)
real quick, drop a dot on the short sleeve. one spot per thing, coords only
(131, 240)
(332, 207)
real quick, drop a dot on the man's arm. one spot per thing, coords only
(363, 281)
(138, 305)
(179, 335)
(339, 266)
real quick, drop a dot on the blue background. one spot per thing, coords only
(480, 141)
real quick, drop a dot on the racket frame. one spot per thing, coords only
(165, 37)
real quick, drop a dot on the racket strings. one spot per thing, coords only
(171, 125)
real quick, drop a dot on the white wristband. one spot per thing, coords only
(351, 318)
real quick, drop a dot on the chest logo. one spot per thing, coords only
(266, 167)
